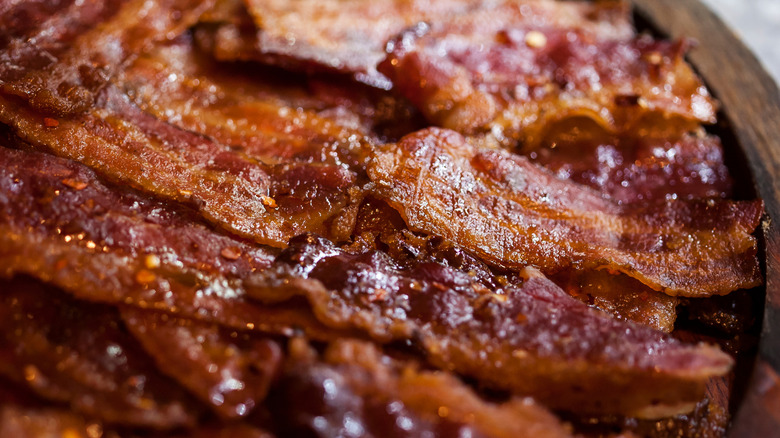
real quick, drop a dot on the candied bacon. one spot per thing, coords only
(355, 389)
(230, 373)
(511, 213)
(59, 60)
(481, 72)
(350, 36)
(640, 170)
(531, 339)
(115, 246)
(78, 353)
(268, 204)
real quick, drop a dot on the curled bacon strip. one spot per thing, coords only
(511, 213)
(58, 58)
(489, 72)
(60, 224)
(532, 339)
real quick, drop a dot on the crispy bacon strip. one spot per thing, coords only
(60, 224)
(350, 36)
(58, 56)
(271, 118)
(76, 352)
(268, 204)
(532, 339)
(231, 374)
(356, 389)
(491, 71)
(511, 213)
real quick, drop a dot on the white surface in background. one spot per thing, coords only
(757, 22)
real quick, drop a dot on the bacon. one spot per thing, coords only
(355, 388)
(270, 118)
(268, 204)
(60, 55)
(510, 213)
(640, 170)
(230, 373)
(531, 339)
(492, 72)
(21, 422)
(621, 296)
(77, 353)
(350, 36)
(60, 224)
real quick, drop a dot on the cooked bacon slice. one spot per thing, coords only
(509, 212)
(60, 55)
(532, 339)
(621, 296)
(268, 204)
(354, 390)
(640, 170)
(483, 72)
(77, 352)
(271, 118)
(232, 373)
(350, 36)
(60, 224)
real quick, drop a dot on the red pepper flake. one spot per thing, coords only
(144, 277)
(269, 202)
(75, 184)
(50, 123)
(231, 253)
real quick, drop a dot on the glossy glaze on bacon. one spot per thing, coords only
(531, 339)
(355, 389)
(512, 213)
(482, 73)
(159, 158)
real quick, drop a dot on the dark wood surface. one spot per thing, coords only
(751, 108)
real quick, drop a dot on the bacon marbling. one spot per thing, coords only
(518, 80)
(355, 388)
(511, 213)
(77, 353)
(231, 374)
(531, 339)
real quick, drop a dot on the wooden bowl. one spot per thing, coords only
(751, 111)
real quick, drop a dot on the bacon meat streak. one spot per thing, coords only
(60, 224)
(77, 353)
(532, 339)
(489, 72)
(511, 213)
(268, 204)
(231, 374)
(57, 56)
(354, 388)
(350, 36)
(640, 170)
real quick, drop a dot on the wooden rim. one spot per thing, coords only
(751, 104)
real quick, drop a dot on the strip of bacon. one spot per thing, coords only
(58, 58)
(380, 227)
(271, 118)
(492, 72)
(350, 36)
(268, 204)
(511, 213)
(640, 170)
(77, 353)
(60, 224)
(231, 373)
(356, 389)
(532, 339)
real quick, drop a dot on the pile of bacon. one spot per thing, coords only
(252, 218)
